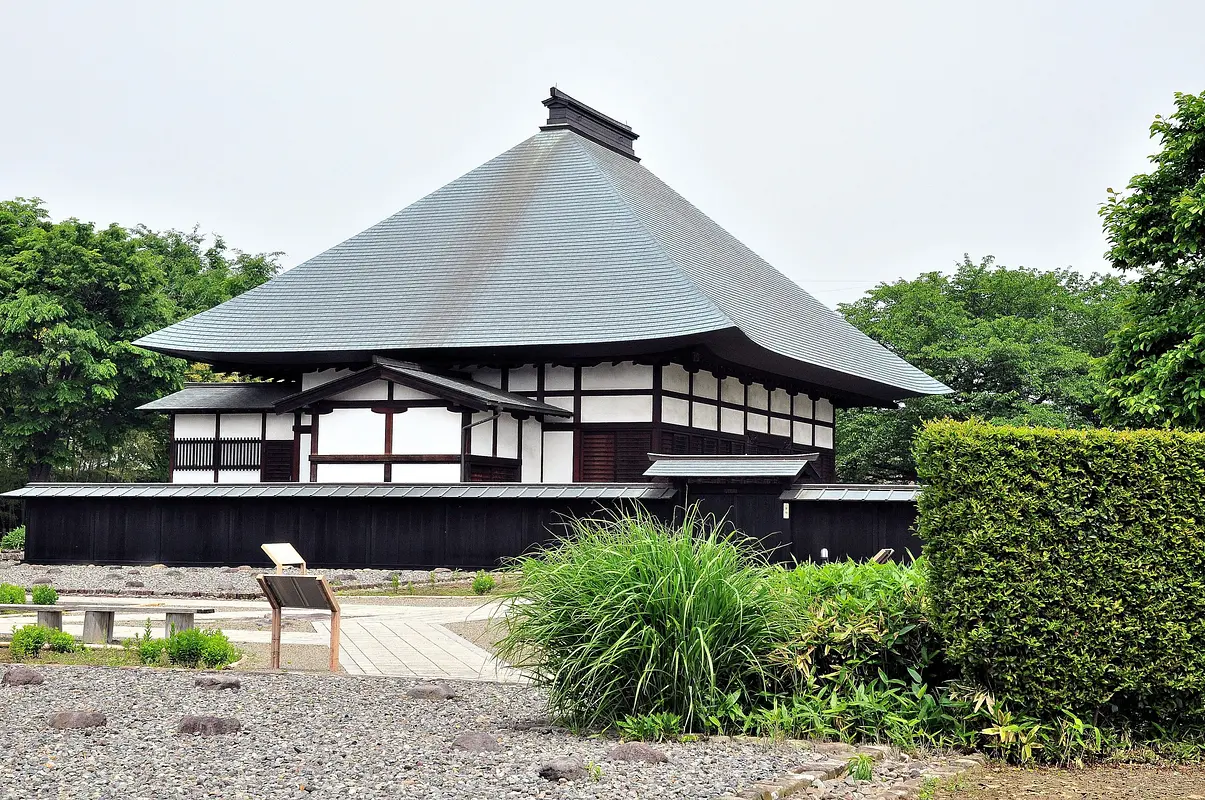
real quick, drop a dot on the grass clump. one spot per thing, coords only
(629, 616)
(483, 583)
(12, 595)
(44, 595)
(663, 727)
(28, 641)
(14, 539)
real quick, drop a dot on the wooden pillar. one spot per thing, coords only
(98, 626)
(177, 621)
(51, 618)
(274, 651)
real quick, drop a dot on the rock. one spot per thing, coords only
(441, 571)
(76, 719)
(53, 571)
(135, 584)
(217, 682)
(133, 572)
(112, 578)
(209, 726)
(477, 742)
(345, 577)
(21, 676)
(40, 582)
(637, 751)
(115, 566)
(562, 769)
(173, 573)
(431, 691)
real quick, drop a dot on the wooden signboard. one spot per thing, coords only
(283, 555)
(300, 591)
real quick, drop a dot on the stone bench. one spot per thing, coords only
(99, 620)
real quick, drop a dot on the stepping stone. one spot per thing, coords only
(21, 676)
(431, 691)
(40, 582)
(477, 742)
(76, 719)
(562, 769)
(637, 751)
(135, 584)
(209, 726)
(217, 682)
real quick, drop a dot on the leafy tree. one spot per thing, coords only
(1155, 374)
(73, 298)
(1017, 346)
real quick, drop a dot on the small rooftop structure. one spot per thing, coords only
(727, 467)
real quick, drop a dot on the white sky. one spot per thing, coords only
(847, 143)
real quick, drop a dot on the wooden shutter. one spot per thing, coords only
(632, 455)
(598, 456)
(278, 461)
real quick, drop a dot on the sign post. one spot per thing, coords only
(300, 591)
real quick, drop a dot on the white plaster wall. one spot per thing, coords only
(426, 473)
(558, 378)
(824, 436)
(195, 426)
(732, 391)
(373, 390)
(508, 436)
(706, 385)
(732, 421)
(280, 426)
(311, 379)
(533, 451)
(490, 377)
(424, 430)
(802, 433)
(759, 423)
(780, 427)
(407, 393)
(705, 416)
(350, 473)
(192, 476)
(624, 375)
(523, 379)
(242, 426)
(675, 378)
(675, 411)
(303, 463)
(560, 402)
(237, 476)
(357, 431)
(481, 437)
(558, 457)
(824, 410)
(620, 408)
(780, 401)
(759, 397)
(803, 406)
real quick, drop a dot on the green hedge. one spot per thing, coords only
(1067, 568)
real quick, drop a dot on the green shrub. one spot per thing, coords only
(44, 595)
(483, 583)
(650, 727)
(190, 648)
(1067, 569)
(14, 539)
(61, 641)
(27, 641)
(10, 594)
(629, 616)
(152, 651)
(218, 650)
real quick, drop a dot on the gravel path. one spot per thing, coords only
(336, 736)
(234, 582)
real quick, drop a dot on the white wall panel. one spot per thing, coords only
(352, 473)
(732, 421)
(706, 416)
(490, 377)
(803, 406)
(533, 450)
(560, 402)
(303, 463)
(558, 378)
(280, 426)
(780, 401)
(194, 426)
(759, 423)
(481, 437)
(824, 410)
(759, 397)
(523, 379)
(401, 392)
(373, 390)
(311, 379)
(424, 430)
(508, 436)
(357, 431)
(780, 426)
(620, 408)
(242, 426)
(425, 473)
(558, 456)
(802, 433)
(624, 375)
(824, 436)
(675, 411)
(675, 378)
(237, 476)
(732, 391)
(706, 385)
(192, 476)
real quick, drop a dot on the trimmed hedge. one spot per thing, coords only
(1067, 567)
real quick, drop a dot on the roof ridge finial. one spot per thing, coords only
(565, 112)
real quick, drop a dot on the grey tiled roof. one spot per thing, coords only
(873, 493)
(223, 397)
(738, 466)
(465, 491)
(557, 242)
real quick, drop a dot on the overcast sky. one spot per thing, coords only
(847, 143)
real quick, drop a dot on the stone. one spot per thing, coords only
(173, 573)
(40, 582)
(637, 751)
(477, 742)
(133, 572)
(135, 584)
(21, 676)
(115, 566)
(217, 682)
(431, 691)
(209, 726)
(229, 570)
(441, 571)
(345, 577)
(76, 719)
(562, 769)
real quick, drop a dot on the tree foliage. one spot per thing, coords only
(1017, 346)
(73, 298)
(1155, 375)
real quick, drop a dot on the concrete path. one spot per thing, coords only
(396, 640)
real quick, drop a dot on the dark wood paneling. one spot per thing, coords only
(278, 460)
(597, 457)
(853, 530)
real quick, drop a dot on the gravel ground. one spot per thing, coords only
(335, 736)
(193, 581)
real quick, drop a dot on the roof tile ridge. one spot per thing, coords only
(678, 270)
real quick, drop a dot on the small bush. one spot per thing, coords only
(152, 652)
(191, 648)
(218, 651)
(62, 642)
(484, 583)
(44, 595)
(10, 594)
(861, 767)
(14, 539)
(27, 641)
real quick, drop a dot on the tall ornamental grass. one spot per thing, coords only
(626, 615)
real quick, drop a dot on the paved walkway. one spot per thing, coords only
(397, 640)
